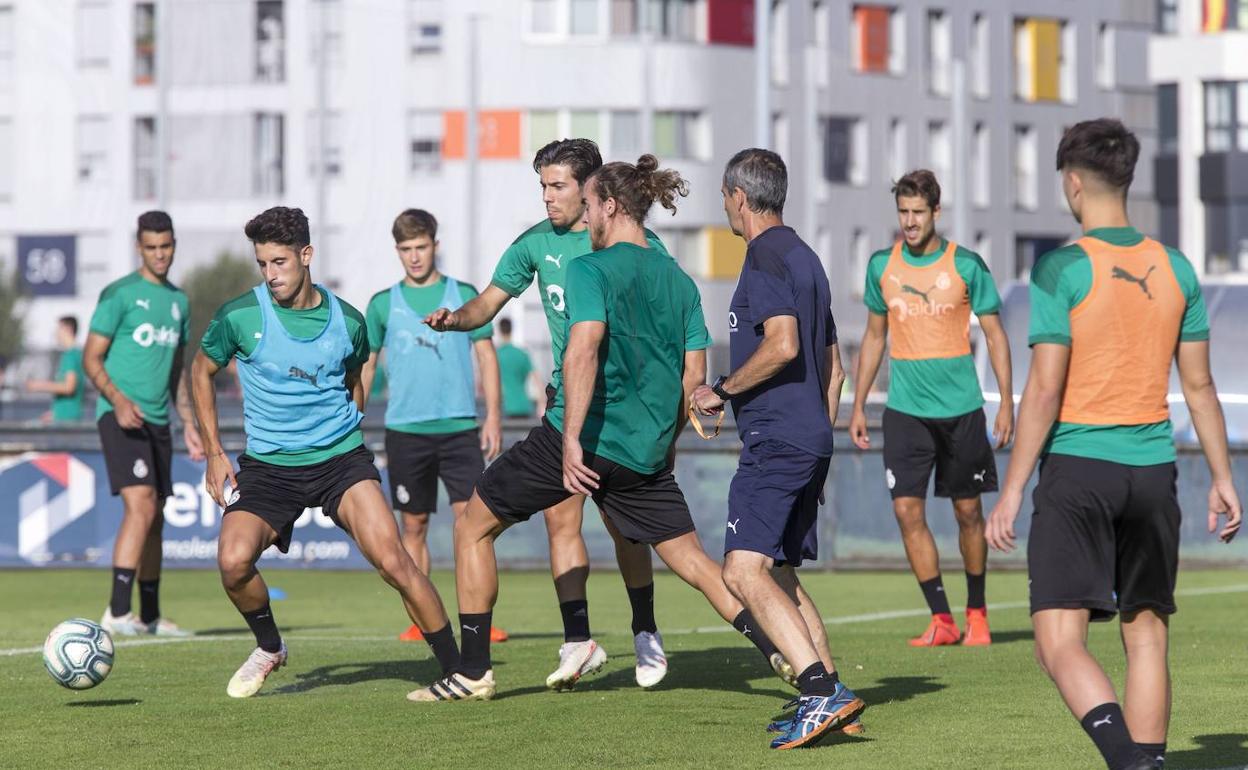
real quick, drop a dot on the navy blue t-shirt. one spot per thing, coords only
(783, 276)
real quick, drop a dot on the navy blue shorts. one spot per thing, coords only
(773, 502)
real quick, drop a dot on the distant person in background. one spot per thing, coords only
(67, 384)
(432, 431)
(516, 369)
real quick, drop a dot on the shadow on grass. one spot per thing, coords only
(411, 672)
(1227, 750)
(517, 636)
(893, 689)
(1008, 637)
(98, 704)
(244, 631)
(731, 669)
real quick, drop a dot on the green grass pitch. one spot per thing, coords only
(340, 702)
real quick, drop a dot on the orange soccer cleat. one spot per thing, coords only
(412, 634)
(977, 634)
(941, 631)
(498, 635)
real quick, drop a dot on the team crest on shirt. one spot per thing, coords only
(732, 321)
(555, 295)
(175, 311)
(139, 469)
(400, 494)
(890, 478)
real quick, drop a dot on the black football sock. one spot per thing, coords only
(442, 642)
(263, 625)
(1107, 728)
(816, 680)
(642, 600)
(575, 620)
(1156, 751)
(975, 591)
(744, 623)
(149, 600)
(123, 585)
(934, 593)
(474, 632)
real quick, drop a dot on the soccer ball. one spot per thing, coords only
(78, 654)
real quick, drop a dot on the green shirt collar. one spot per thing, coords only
(1118, 236)
(923, 258)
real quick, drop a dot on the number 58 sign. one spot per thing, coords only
(47, 264)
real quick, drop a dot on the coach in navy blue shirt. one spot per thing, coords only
(784, 388)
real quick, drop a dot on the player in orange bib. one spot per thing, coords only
(1109, 313)
(922, 293)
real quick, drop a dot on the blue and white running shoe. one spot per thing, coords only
(818, 716)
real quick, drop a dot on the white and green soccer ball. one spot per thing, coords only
(78, 654)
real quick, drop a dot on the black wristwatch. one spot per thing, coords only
(717, 388)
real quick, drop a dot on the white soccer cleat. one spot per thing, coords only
(249, 678)
(124, 625)
(783, 670)
(164, 627)
(576, 659)
(651, 660)
(456, 686)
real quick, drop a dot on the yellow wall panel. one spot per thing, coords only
(726, 253)
(1044, 37)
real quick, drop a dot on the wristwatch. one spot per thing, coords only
(717, 388)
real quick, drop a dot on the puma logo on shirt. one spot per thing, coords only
(146, 304)
(428, 343)
(557, 260)
(1122, 274)
(301, 374)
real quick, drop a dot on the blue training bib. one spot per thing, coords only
(430, 372)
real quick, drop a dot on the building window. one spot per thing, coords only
(981, 165)
(877, 43)
(325, 27)
(92, 33)
(981, 63)
(424, 142)
(673, 19)
(92, 149)
(1067, 71)
(1042, 69)
(896, 149)
(1026, 165)
(543, 129)
(821, 23)
(6, 44)
(983, 246)
(583, 17)
(939, 53)
(145, 150)
(586, 124)
(270, 42)
(1168, 118)
(1167, 17)
(1223, 15)
(144, 43)
(424, 27)
(780, 134)
(939, 150)
(624, 21)
(678, 135)
(8, 156)
(845, 150)
(625, 133)
(1226, 116)
(1106, 57)
(333, 144)
(268, 178)
(543, 17)
(859, 256)
(779, 42)
(685, 244)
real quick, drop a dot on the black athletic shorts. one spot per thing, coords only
(139, 457)
(528, 478)
(279, 493)
(1104, 537)
(416, 461)
(957, 446)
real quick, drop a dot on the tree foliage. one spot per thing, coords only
(208, 287)
(12, 320)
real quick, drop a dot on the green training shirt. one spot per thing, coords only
(236, 330)
(147, 323)
(1059, 282)
(514, 366)
(653, 314)
(545, 251)
(423, 300)
(69, 408)
(935, 387)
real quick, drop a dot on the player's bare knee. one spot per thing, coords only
(738, 575)
(416, 525)
(395, 566)
(235, 565)
(969, 513)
